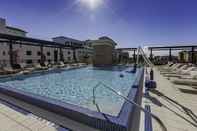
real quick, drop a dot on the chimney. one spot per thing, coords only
(2, 25)
(2, 22)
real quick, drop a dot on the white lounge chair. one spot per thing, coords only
(39, 67)
(3, 72)
(192, 82)
(25, 69)
(10, 70)
(180, 72)
(186, 80)
(169, 68)
(172, 69)
(163, 67)
(61, 64)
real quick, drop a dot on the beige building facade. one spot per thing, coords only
(82, 54)
(103, 51)
(30, 55)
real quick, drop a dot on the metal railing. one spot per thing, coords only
(140, 51)
(130, 101)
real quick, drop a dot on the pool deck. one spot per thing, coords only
(13, 120)
(175, 105)
(15, 116)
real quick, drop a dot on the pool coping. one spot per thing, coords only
(95, 119)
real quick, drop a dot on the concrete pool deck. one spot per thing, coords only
(175, 105)
(15, 116)
(13, 120)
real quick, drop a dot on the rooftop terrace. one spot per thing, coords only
(175, 105)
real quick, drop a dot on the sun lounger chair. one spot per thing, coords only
(10, 70)
(67, 65)
(73, 66)
(172, 70)
(2, 72)
(23, 65)
(186, 80)
(82, 64)
(169, 68)
(39, 67)
(180, 73)
(165, 66)
(25, 69)
(192, 82)
(53, 65)
(47, 64)
(61, 64)
(181, 70)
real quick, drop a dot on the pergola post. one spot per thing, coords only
(134, 56)
(41, 55)
(151, 54)
(119, 59)
(61, 54)
(170, 54)
(192, 55)
(74, 55)
(11, 53)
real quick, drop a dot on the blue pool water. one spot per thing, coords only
(75, 86)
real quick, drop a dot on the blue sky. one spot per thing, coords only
(129, 22)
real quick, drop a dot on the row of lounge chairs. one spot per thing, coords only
(180, 73)
(25, 69)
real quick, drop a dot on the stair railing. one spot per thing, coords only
(130, 101)
(147, 61)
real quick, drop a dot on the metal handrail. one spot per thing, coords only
(140, 50)
(145, 58)
(130, 101)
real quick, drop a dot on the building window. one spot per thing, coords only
(29, 61)
(49, 61)
(68, 52)
(39, 61)
(4, 53)
(48, 53)
(38, 53)
(28, 52)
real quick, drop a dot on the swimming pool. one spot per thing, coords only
(75, 87)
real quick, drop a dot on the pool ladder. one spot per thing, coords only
(146, 59)
(130, 101)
